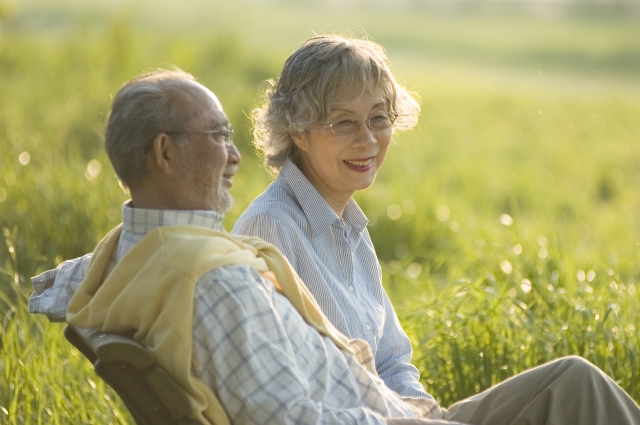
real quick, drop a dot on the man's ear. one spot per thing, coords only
(301, 140)
(164, 153)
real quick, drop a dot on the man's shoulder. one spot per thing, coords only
(234, 275)
(181, 240)
(237, 290)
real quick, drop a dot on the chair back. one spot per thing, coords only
(150, 394)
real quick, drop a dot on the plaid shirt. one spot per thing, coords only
(336, 260)
(250, 345)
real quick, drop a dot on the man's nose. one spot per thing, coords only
(233, 154)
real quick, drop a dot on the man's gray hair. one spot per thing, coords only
(325, 70)
(143, 108)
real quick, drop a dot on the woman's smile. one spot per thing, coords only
(359, 164)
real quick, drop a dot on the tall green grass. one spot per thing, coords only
(44, 381)
(506, 223)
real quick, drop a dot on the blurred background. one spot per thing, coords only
(530, 108)
(506, 223)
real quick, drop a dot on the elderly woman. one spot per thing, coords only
(324, 130)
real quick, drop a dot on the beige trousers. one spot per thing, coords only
(566, 391)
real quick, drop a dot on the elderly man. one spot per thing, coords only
(227, 316)
(209, 306)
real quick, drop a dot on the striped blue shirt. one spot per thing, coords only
(336, 260)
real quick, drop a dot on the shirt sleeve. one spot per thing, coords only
(243, 352)
(53, 289)
(393, 358)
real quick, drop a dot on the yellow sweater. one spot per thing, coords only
(150, 293)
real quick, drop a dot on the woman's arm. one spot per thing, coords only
(393, 357)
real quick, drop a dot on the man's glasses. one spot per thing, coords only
(351, 125)
(228, 134)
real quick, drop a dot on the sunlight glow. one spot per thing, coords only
(24, 158)
(506, 219)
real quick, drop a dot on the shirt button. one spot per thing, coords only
(368, 327)
(350, 288)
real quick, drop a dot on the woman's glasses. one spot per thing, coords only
(346, 126)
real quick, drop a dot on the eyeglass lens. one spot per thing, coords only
(351, 125)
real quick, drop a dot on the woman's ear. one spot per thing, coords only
(301, 140)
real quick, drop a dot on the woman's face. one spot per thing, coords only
(338, 165)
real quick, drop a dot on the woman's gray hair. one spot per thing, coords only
(325, 70)
(143, 108)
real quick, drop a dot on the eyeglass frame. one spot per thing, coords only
(228, 140)
(392, 119)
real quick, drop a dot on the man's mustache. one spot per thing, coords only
(230, 170)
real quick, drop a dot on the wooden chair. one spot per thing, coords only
(150, 394)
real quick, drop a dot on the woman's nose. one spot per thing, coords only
(364, 135)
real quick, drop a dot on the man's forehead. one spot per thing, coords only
(203, 103)
(211, 112)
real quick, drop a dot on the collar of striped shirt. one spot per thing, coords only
(317, 210)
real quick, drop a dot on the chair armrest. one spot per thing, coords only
(110, 347)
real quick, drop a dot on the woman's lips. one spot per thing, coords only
(359, 164)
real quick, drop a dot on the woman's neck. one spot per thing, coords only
(336, 200)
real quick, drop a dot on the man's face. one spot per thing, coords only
(207, 163)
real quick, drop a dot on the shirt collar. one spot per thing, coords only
(354, 216)
(141, 220)
(316, 209)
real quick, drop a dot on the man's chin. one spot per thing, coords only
(223, 204)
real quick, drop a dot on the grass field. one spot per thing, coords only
(506, 223)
